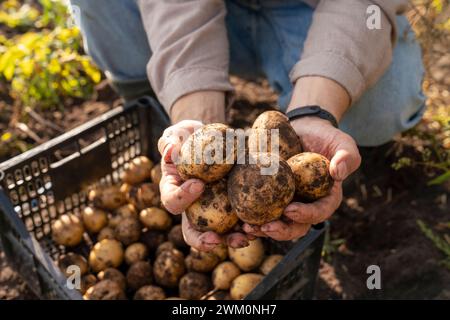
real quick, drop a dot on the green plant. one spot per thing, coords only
(331, 246)
(443, 244)
(44, 67)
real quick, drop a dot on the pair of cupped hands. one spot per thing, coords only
(317, 135)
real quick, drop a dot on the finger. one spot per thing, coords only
(253, 230)
(237, 240)
(206, 241)
(177, 133)
(282, 231)
(176, 198)
(346, 158)
(318, 211)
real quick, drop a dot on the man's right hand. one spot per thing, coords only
(177, 195)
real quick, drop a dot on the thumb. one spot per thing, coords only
(345, 160)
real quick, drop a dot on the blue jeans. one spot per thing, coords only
(266, 39)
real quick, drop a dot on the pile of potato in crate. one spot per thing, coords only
(139, 251)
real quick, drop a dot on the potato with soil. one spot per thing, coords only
(260, 137)
(139, 275)
(67, 230)
(135, 252)
(150, 293)
(244, 284)
(269, 263)
(144, 195)
(106, 233)
(212, 210)
(204, 154)
(128, 231)
(105, 290)
(127, 211)
(194, 285)
(87, 281)
(107, 198)
(155, 218)
(221, 251)
(176, 237)
(201, 261)
(224, 274)
(156, 173)
(94, 219)
(165, 246)
(105, 254)
(153, 239)
(248, 258)
(113, 275)
(72, 259)
(169, 268)
(312, 175)
(260, 192)
(139, 169)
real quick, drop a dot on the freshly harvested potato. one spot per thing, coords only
(155, 218)
(108, 198)
(139, 275)
(94, 219)
(87, 281)
(219, 295)
(156, 173)
(269, 263)
(125, 189)
(212, 210)
(260, 137)
(248, 258)
(169, 268)
(135, 252)
(221, 251)
(105, 290)
(72, 259)
(106, 253)
(176, 237)
(150, 293)
(194, 285)
(224, 274)
(257, 197)
(201, 261)
(153, 239)
(106, 233)
(113, 275)
(128, 231)
(202, 144)
(139, 169)
(127, 211)
(244, 284)
(114, 221)
(67, 230)
(165, 246)
(144, 195)
(312, 175)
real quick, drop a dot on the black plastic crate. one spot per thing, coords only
(38, 186)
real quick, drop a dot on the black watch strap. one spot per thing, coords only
(315, 111)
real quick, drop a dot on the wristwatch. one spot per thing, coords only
(315, 111)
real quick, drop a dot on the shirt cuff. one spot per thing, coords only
(332, 66)
(188, 80)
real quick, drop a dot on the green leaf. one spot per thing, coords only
(440, 179)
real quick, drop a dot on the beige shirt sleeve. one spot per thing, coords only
(189, 47)
(341, 47)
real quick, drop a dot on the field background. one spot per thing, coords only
(396, 211)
